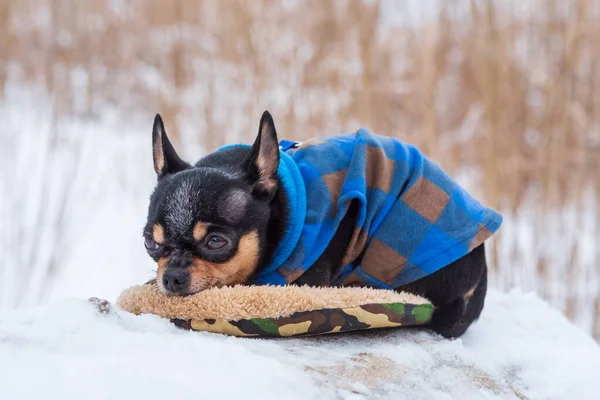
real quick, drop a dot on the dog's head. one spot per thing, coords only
(208, 223)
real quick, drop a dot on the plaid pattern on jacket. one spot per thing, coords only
(413, 219)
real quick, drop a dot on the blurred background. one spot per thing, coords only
(505, 95)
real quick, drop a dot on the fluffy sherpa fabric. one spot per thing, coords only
(247, 302)
(414, 219)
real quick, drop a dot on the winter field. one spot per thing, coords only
(520, 349)
(506, 98)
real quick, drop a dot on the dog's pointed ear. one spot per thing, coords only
(263, 161)
(166, 160)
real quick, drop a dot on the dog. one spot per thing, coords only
(287, 213)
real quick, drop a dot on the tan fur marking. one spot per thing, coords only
(205, 274)
(200, 230)
(261, 163)
(264, 171)
(158, 233)
(469, 294)
(157, 151)
(159, 161)
(162, 262)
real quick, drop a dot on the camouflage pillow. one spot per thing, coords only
(275, 311)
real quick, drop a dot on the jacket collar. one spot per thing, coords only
(293, 184)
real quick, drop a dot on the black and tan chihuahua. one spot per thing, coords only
(219, 221)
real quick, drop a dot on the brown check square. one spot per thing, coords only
(427, 199)
(481, 236)
(290, 275)
(334, 182)
(379, 169)
(381, 261)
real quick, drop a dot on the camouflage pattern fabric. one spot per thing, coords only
(318, 322)
(307, 323)
(406, 311)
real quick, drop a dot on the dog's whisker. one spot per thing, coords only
(244, 279)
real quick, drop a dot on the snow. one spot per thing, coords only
(520, 348)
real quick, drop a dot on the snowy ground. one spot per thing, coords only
(521, 348)
(89, 224)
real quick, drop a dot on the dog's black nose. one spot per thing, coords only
(175, 280)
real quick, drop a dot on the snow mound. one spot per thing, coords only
(520, 348)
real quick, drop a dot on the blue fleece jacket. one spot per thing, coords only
(413, 218)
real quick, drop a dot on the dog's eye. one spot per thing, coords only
(215, 243)
(151, 244)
